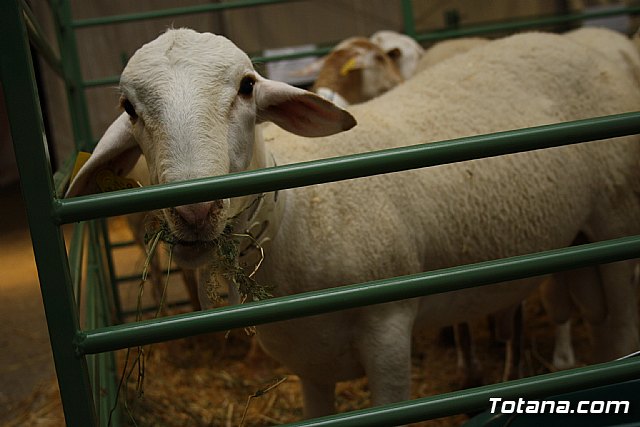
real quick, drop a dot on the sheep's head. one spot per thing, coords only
(357, 70)
(191, 103)
(403, 50)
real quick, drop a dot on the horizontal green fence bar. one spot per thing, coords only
(475, 399)
(105, 81)
(374, 292)
(137, 277)
(524, 24)
(170, 13)
(342, 168)
(436, 35)
(123, 244)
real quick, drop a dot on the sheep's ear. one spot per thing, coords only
(299, 111)
(117, 151)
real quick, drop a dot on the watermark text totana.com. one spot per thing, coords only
(522, 406)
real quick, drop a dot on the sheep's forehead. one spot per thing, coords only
(389, 40)
(356, 46)
(203, 57)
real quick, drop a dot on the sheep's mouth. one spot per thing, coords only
(193, 253)
(187, 251)
(195, 243)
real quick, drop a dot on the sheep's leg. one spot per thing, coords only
(513, 334)
(468, 363)
(157, 283)
(137, 225)
(557, 301)
(385, 351)
(318, 398)
(556, 298)
(563, 356)
(191, 284)
(617, 335)
(588, 292)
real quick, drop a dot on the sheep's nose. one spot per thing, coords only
(196, 214)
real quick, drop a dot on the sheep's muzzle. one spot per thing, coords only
(194, 230)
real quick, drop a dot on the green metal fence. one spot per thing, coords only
(83, 351)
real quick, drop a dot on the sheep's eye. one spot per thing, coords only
(128, 107)
(246, 85)
(394, 53)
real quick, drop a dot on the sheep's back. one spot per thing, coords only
(465, 212)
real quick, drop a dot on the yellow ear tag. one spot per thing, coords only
(81, 159)
(108, 181)
(348, 66)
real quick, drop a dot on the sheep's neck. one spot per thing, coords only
(259, 160)
(260, 219)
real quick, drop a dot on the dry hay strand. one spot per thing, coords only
(226, 260)
(206, 381)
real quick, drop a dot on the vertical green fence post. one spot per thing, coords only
(21, 96)
(71, 66)
(408, 19)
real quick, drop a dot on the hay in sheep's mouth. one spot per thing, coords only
(226, 261)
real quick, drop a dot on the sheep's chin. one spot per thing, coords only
(192, 254)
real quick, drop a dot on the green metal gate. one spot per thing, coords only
(84, 354)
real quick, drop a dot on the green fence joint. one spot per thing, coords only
(56, 208)
(78, 343)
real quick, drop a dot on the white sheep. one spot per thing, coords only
(191, 101)
(404, 50)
